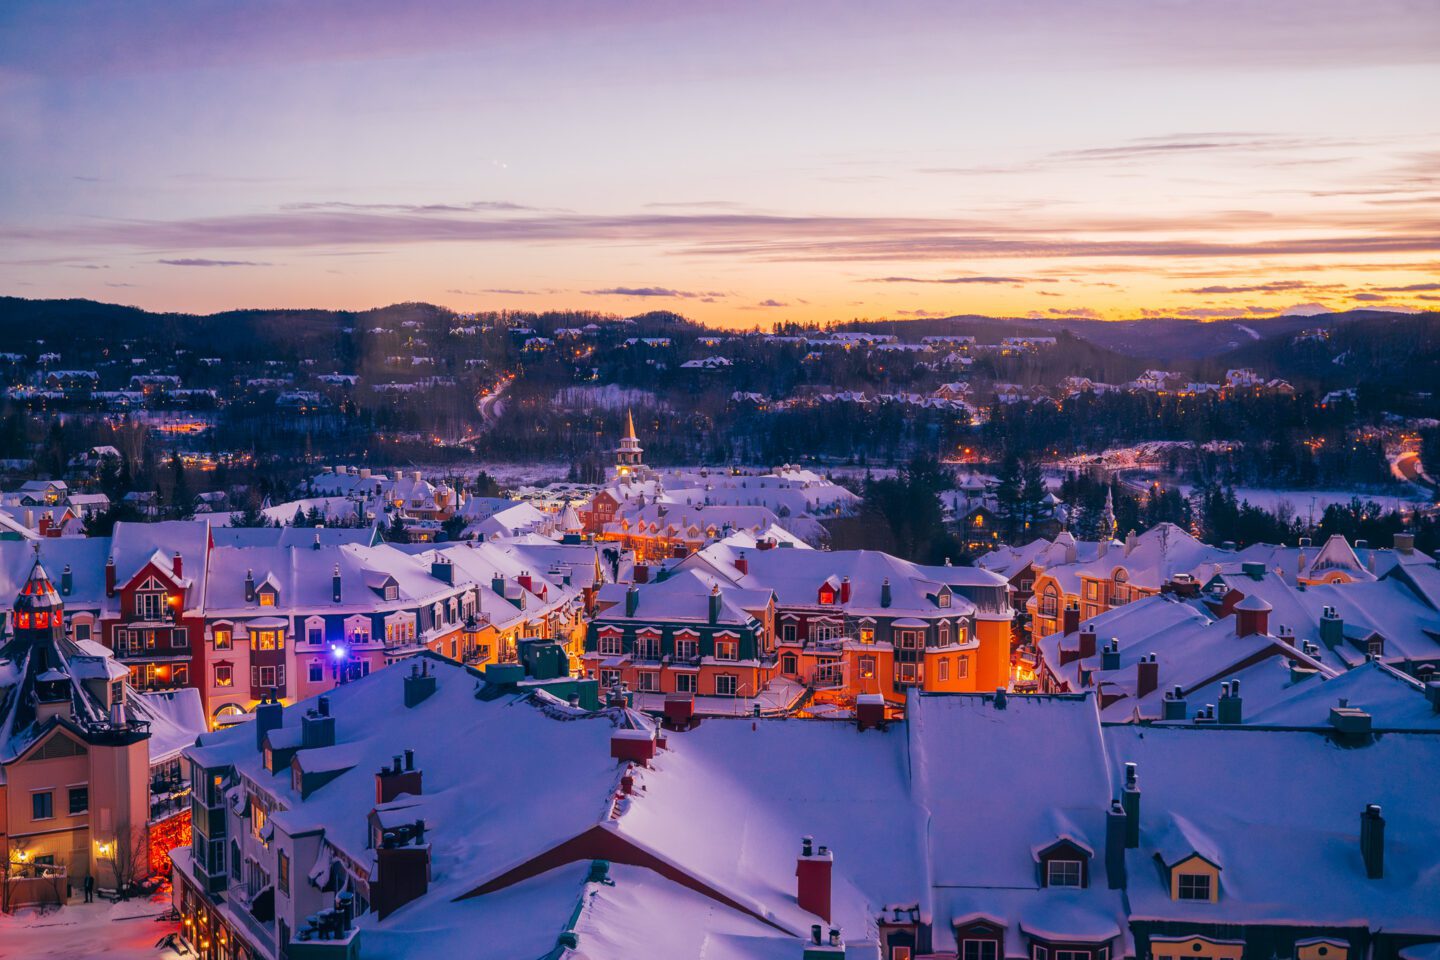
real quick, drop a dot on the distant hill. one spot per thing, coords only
(1361, 344)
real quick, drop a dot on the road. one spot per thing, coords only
(490, 408)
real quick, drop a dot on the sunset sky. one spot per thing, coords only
(741, 163)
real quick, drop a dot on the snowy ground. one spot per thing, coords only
(1302, 502)
(80, 931)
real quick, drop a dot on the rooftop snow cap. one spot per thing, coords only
(1252, 616)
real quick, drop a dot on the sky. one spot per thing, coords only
(742, 163)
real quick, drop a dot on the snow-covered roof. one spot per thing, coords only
(1280, 814)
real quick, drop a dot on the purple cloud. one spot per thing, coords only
(203, 262)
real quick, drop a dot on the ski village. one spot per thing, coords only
(662, 716)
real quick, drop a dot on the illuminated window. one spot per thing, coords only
(726, 649)
(867, 634)
(267, 598)
(267, 640)
(221, 639)
(867, 667)
(224, 675)
(611, 644)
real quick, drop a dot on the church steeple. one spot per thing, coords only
(629, 455)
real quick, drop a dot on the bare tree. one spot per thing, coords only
(129, 856)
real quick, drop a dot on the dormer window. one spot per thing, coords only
(1064, 873)
(943, 599)
(1193, 886)
(266, 597)
(1065, 863)
(1375, 647)
(392, 592)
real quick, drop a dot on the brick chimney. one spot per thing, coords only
(269, 715)
(44, 524)
(1147, 676)
(812, 874)
(178, 564)
(633, 746)
(527, 581)
(869, 710)
(1087, 643)
(1372, 841)
(1070, 619)
(742, 563)
(402, 867)
(396, 779)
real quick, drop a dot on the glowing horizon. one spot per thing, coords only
(739, 164)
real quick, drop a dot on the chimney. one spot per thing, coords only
(1087, 643)
(1130, 541)
(1147, 676)
(812, 873)
(1175, 706)
(1070, 619)
(822, 948)
(497, 584)
(442, 569)
(633, 746)
(869, 711)
(1110, 656)
(715, 603)
(526, 581)
(335, 593)
(1253, 569)
(396, 779)
(632, 600)
(1252, 616)
(249, 586)
(269, 715)
(44, 530)
(845, 590)
(1372, 841)
(177, 563)
(110, 577)
(1332, 628)
(402, 868)
(317, 729)
(420, 684)
(742, 563)
(1405, 543)
(67, 581)
(1115, 830)
(885, 592)
(1130, 801)
(1230, 704)
(1432, 693)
